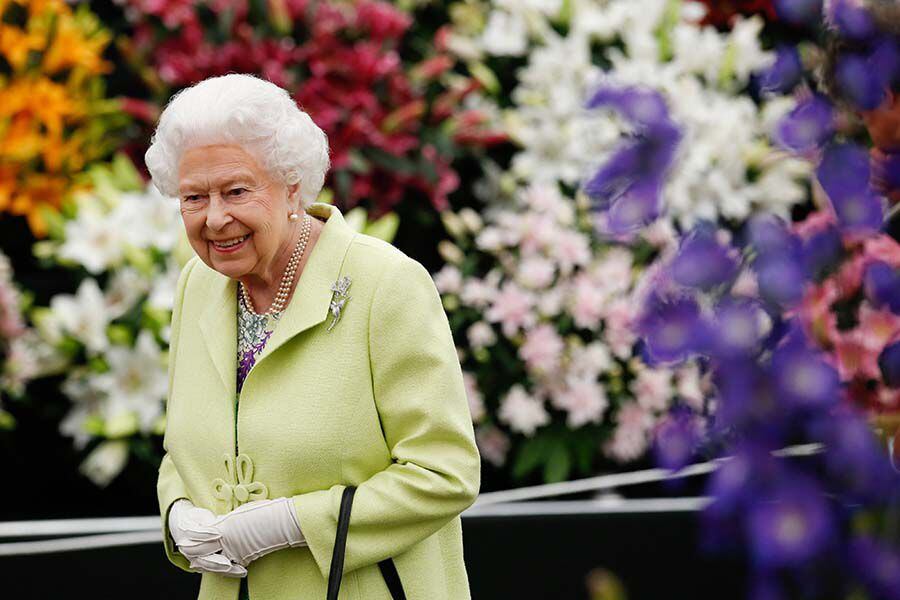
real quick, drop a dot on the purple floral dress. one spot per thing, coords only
(253, 331)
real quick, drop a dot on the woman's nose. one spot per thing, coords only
(217, 215)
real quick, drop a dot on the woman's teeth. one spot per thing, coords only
(230, 243)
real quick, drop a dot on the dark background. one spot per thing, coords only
(525, 558)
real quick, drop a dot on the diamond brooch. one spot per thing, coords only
(339, 298)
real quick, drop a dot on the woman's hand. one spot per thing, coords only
(257, 528)
(198, 539)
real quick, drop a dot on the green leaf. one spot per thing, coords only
(558, 464)
(385, 227)
(530, 456)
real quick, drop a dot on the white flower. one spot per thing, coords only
(83, 316)
(629, 440)
(522, 412)
(505, 34)
(536, 272)
(493, 444)
(652, 388)
(148, 219)
(136, 381)
(583, 398)
(92, 241)
(105, 462)
(476, 400)
(162, 294)
(589, 360)
(481, 335)
(125, 287)
(448, 280)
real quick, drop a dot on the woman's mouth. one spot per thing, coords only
(232, 245)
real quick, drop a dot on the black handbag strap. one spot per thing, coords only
(387, 567)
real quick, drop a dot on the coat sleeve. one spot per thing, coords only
(169, 486)
(417, 382)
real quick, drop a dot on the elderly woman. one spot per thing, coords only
(307, 361)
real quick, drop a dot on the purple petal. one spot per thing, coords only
(676, 440)
(807, 126)
(850, 19)
(889, 363)
(737, 327)
(877, 565)
(672, 329)
(882, 286)
(791, 526)
(799, 12)
(785, 73)
(858, 83)
(702, 262)
(803, 378)
(822, 252)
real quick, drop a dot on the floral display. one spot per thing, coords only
(853, 310)
(112, 332)
(393, 121)
(796, 328)
(542, 291)
(542, 310)
(21, 354)
(726, 167)
(54, 118)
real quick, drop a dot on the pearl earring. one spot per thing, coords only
(293, 217)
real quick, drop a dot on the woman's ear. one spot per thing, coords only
(294, 199)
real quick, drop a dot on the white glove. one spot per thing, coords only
(198, 539)
(257, 528)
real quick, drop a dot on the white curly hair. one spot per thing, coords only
(242, 109)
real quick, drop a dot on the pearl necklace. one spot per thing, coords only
(287, 278)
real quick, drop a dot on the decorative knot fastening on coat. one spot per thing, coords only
(239, 486)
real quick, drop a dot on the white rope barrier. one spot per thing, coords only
(618, 480)
(123, 531)
(145, 530)
(84, 542)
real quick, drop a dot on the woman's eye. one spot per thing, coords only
(237, 191)
(191, 198)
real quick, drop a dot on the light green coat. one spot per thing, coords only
(377, 402)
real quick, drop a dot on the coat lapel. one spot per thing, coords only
(218, 324)
(308, 306)
(310, 302)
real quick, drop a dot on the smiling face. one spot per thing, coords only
(226, 195)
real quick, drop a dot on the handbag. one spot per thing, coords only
(387, 567)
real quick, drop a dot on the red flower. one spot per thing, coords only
(720, 12)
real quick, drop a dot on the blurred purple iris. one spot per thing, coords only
(855, 460)
(878, 566)
(738, 327)
(676, 439)
(850, 19)
(844, 173)
(803, 378)
(703, 262)
(822, 252)
(781, 278)
(799, 12)
(640, 106)
(889, 363)
(673, 329)
(882, 286)
(747, 400)
(769, 235)
(628, 186)
(791, 526)
(784, 74)
(807, 126)
(857, 82)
